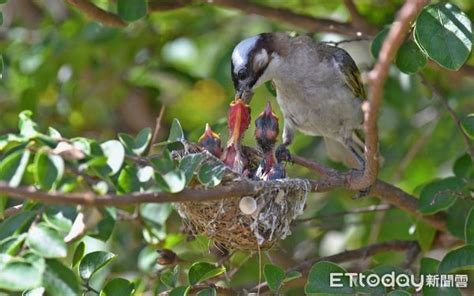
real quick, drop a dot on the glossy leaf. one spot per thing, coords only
(78, 253)
(131, 10)
(176, 132)
(461, 258)
(179, 291)
(173, 181)
(410, 59)
(467, 124)
(92, 262)
(207, 292)
(16, 224)
(274, 276)
(59, 280)
(211, 175)
(190, 164)
(445, 34)
(439, 195)
(201, 271)
(49, 170)
(115, 153)
(128, 180)
(46, 242)
(319, 279)
(376, 45)
(463, 167)
(118, 287)
(12, 167)
(18, 276)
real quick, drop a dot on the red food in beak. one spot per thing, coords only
(238, 122)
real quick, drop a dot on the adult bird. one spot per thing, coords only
(318, 88)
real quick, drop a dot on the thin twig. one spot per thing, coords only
(98, 14)
(358, 20)
(157, 126)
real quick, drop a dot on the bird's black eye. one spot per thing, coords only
(242, 74)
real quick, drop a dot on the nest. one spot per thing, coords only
(277, 203)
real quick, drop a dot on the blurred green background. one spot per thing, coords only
(85, 79)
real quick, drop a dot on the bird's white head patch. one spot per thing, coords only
(240, 55)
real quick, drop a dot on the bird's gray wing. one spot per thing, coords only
(347, 67)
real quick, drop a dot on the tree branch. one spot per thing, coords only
(234, 189)
(383, 190)
(376, 80)
(358, 20)
(98, 14)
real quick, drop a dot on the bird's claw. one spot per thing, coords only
(361, 193)
(282, 154)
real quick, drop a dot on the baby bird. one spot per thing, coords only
(211, 142)
(266, 133)
(238, 121)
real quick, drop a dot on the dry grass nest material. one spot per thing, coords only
(276, 205)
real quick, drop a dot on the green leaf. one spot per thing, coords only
(128, 180)
(173, 181)
(92, 262)
(274, 276)
(59, 280)
(201, 271)
(142, 141)
(463, 167)
(165, 163)
(319, 279)
(190, 164)
(292, 275)
(456, 217)
(131, 10)
(430, 266)
(106, 226)
(176, 132)
(78, 253)
(46, 241)
(28, 128)
(156, 213)
(410, 59)
(40, 291)
(469, 228)
(169, 278)
(118, 287)
(138, 145)
(376, 45)
(49, 170)
(439, 195)
(12, 167)
(467, 124)
(425, 235)
(57, 221)
(11, 245)
(115, 153)
(445, 34)
(16, 224)
(179, 291)
(18, 276)
(207, 292)
(211, 175)
(462, 258)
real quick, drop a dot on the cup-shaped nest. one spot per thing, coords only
(248, 222)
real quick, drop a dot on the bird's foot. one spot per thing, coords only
(282, 154)
(356, 173)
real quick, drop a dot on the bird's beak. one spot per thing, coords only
(244, 95)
